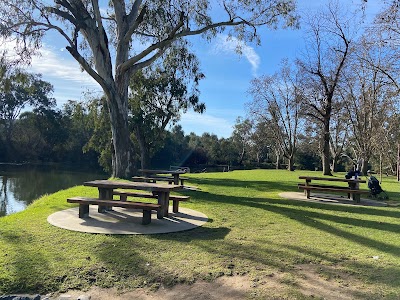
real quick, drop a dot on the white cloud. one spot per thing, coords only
(57, 66)
(228, 45)
(60, 69)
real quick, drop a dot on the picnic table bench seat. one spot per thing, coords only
(323, 186)
(175, 199)
(354, 193)
(154, 179)
(103, 205)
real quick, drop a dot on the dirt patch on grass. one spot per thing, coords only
(328, 282)
(229, 287)
(306, 281)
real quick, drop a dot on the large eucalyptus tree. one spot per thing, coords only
(329, 40)
(112, 41)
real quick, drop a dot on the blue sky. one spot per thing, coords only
(228, 75)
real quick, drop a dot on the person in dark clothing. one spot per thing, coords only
(375, 188)
(353, 173)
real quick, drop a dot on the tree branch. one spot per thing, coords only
(162, 45)
(86, 66)
(149, 61)
(103, 37)
(134, 19)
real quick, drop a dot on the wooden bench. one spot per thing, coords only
(354, 193)
(323, 186)
(104, 204)
(175, 199)
(154, 179)
(299, 185)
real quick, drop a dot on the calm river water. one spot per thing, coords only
(20, 185)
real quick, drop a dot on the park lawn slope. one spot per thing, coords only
(251, 232)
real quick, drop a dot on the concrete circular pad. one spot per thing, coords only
(124, 221)
(330, 199)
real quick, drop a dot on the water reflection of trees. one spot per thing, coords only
(26, 185)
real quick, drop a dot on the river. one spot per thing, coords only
(20, 185)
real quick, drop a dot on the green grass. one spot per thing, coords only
(251, 231)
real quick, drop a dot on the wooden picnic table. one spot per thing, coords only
(352, 183)
(174, 173)
(106, 188)
(353, 189)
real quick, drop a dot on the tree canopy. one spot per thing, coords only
(19, 90)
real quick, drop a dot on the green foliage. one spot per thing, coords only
(99, 133)
(40, 136)
(25, 137)
(47, 135)
(251, 230)
(159, 95)
(19, 89)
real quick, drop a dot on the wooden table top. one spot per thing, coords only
(149, 171)
(113, 184)
(332, 179)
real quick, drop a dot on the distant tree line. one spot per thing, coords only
(80, 134)
(33, 129)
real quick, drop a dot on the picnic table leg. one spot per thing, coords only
(163, 200)
(105, 194)
(351, 187)
(176, 179)
(146, 217)
(83, 210)
(307, 192)
(356, 197)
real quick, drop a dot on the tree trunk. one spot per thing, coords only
(326, 168)
(144, 149)
(333, 165)
(364, 166)
(326, 151)
(277, 164)
(241, 157)
(290, 165)
(123, 160)
(145, 158)
(11, 152)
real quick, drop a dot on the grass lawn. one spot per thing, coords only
(276, 243)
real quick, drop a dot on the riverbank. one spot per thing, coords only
(279, 248)
(21, 184)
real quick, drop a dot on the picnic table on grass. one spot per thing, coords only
(155, 175)
(109, 188)
(352, 190)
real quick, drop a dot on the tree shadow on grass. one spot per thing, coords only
(195, 234)
(218, 198)
(372, 272)
(266, 255)
(317, 216)
(230, 256)
(257, 185)
(24, 274)
(270, 254)
(300, 212)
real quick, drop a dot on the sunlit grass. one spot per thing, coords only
(251, 230)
